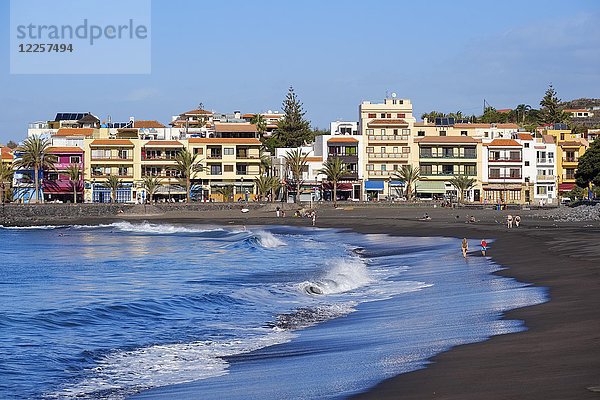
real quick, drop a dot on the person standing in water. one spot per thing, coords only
(483, 247)
(465, 247)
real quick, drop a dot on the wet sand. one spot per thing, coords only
(558, 357)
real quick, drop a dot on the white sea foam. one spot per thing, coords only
(343, 275)
(161, 229)
(123, 373)
(38, 227)
(268, 240)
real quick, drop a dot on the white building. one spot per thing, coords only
(311, 178)
(502, 171)
(539, 168)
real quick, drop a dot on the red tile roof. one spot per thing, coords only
(314, 159)
(6, 153)
(488, 126)
(111, 142)
(234, 127)
(75, 132)
(503, 143)
(147, 124)
(65, 150)
(342, 139)
(548, 139)
(525, 136)
(198, 112)
(384, 122)
(225, 140)
(446, 139)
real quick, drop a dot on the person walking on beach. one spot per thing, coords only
(483, 247)
(517, 221)
(509, 221)
(314, 218)
(277, 211)
(465, 247)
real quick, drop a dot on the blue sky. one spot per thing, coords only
(243, 55)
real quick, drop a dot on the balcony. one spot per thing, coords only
(504, 177)
(448, 157)
(570, 159)
(505, 159)
(214, 156)
(158, 158)
(545, 161)
(104, 176)
(545, 178)
(388, 156)
(246, 156)
(381, 173)
(570, 177)
(388, 138)
(112, 158)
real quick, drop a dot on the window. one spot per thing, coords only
(406, 150)
(382, 115)
(426, 169)
(395, 132)
(421, 133)
(494, 173)
(123, 171)
(370, 167)
(401, 115)
(382, 150)
(75, 160)
(395, 150)
(228, 168)
(383, 167)
(199, 151)
(370, 149)
(515, 173)
(515, 156)
(351, 150)
(425, 152)
(228, 151)
(371, 115)
(123, 154)
(406, 132)
(52, 176)
(242, 169)
(527, 163)
(448, 169)
(442, 133)
(448, 152)
(383, 132)
(389, 115)
(470, 152)
(526, 145)
(215, 169)
(370, 132)
(396, 167)
(470, 170)
(463, 133)
(541, 190)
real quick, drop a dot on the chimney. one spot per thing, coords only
(425, 120)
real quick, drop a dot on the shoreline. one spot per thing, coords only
(557, 357)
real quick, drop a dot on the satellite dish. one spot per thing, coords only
(394, 95)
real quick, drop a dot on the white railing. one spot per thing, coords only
(389, 138)
(545, 178)
(388, 155)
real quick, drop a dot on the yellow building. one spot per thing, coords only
(569, 147)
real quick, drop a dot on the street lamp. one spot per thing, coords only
(242, 186)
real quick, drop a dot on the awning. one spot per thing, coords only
(397, 183)
(566, 187)
(373, 185)
(438, 187)
(340, 186)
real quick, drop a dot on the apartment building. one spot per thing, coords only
(502, 172)
(569, 146)
(539, 168)
(57, 184)
(386, 128)
(312, 178)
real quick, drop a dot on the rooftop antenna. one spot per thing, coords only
(394, 95)
(201, 106)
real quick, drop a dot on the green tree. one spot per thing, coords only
(409, 175)
(334, 169)
(74, 173)
(462, 183)
(272, 142)
(588, 167)
(6, 176)
(265, 185)
(432, 115)
(295, 164)
(151, 185)
(320, 132)
(12, 145)
(34, 155)
(492, 116)
(551, 111)
(293, 130)
(226, 192)
(521, 112)
(113, 183)
(261, 124)
(186, 165)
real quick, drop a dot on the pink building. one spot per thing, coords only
(57, 184)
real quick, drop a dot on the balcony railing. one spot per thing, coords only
(545, 178)
(246, 156)
(443, 174)
(389, 138)
(503, 177)
(381, 173)
(110, 158)
(569, 177)
(450, 157)
(570, 159)
(504, 159)
(387, 155)
(214, 156)
(158, 158)
(545, 161)
(107, 175)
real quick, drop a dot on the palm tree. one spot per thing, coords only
(226, 192)
(113, 183)
(187, 164)
(462, 183)
(275, 186)
(263, 185)
(34, 155)
(151, 185)
(74, 173)
(6, 174)
(295, 163)
(334, 169)
(261, 124)
(265, 163)
(409, 175)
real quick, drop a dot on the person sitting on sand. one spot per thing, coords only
(483, 247)
(425, 217)
(472, 219)
(465, 247)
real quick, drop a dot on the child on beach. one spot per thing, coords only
(483, 247)
(465, 247)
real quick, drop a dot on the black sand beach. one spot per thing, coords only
(558, 357)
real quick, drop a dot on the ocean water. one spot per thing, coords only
(163, 311)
